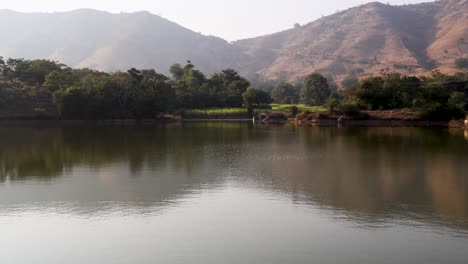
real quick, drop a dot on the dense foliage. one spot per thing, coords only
(437, 96)
(89, 94)
(137, 94)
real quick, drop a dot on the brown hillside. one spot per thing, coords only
(411, 39)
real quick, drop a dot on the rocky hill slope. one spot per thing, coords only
(365, 40)
(412, 39)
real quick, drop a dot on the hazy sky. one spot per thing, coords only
(230, 19)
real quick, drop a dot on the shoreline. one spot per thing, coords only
(458, 124)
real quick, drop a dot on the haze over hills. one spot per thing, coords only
(412, 39)
(106, 41)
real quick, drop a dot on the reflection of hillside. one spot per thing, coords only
(368, 174)
(376, 173)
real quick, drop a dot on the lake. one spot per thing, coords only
(232, 193)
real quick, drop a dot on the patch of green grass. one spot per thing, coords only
(222, 113)
(216, 113)
(301, 107)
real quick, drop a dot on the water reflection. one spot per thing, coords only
(370, 176)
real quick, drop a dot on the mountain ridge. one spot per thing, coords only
(367, 39)
(396, 38)
(108, 41)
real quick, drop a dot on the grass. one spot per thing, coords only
(216, 113)
(301, 107)
(223, 113)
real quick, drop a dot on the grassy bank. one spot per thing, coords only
(216, 113)
(232, 113)
(301, 107)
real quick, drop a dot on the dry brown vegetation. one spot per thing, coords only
(410, 39)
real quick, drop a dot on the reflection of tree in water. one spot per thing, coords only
(378, 173)
(28, 153)
(43, 153)
(137, 168)
(368, 174)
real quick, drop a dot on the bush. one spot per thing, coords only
(333, 104)
(458, 99)
(294, 110)
(349, 109)
(264, 106)
(442, 112)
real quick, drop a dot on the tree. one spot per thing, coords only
(437, 104)
(70, 103)
(410, 88)
(262, 98)
(228, 86)
(154, 95)
(458, 99)
(249, 98)
(189, 85)
(349, 82)
(315, 90)
(135, 76)
(285, 93)
(177, 71)
(58, 79)
(2, 66)
(369, 91)
(30, 72)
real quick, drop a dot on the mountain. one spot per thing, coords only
(411, 39)
(106, 41)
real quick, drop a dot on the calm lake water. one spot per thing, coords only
(232, 193)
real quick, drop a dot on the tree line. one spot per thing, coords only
(91, 94)
(436, 96)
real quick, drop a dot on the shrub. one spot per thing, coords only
(442, 112)
(294, 110)
(332, 104)
(264, 106)
(349, 109)
(457, 99)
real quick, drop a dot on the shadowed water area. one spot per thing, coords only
(232, 193)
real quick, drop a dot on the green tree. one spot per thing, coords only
(228, 86)
(315, 90)
(59, 79)
(458, 99)
(370, 92)
(249, 98)
(191, 87)
(154, 96)
(70, 103)
(30, 72)
(285, 93)
(177, 71)
(262, 98)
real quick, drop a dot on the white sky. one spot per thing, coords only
(229, 19)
